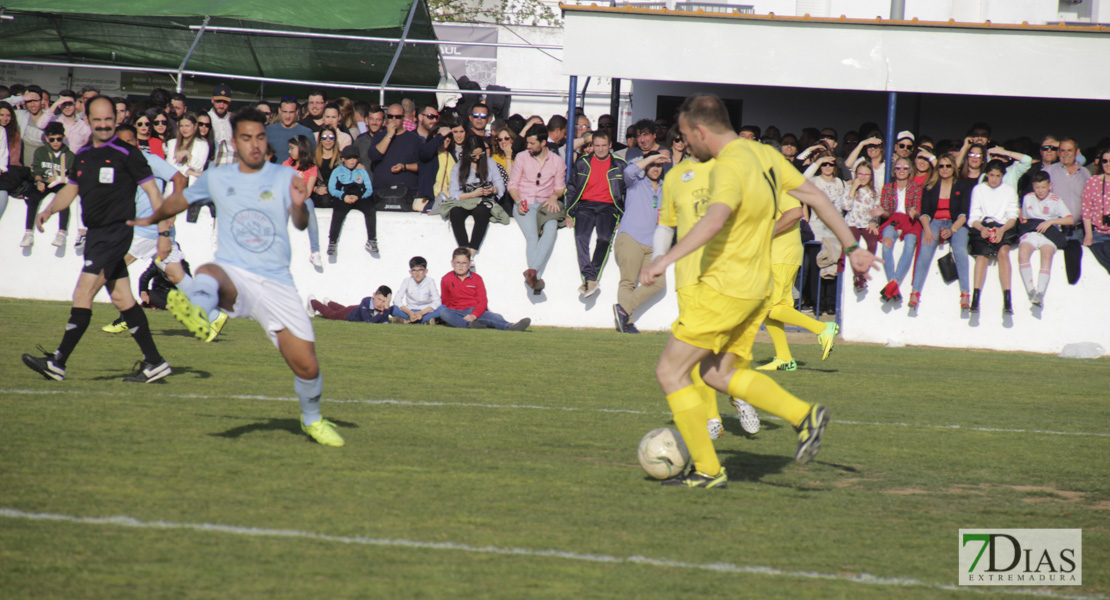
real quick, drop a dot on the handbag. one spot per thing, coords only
(16, 181)
(395, 196)
(947, 266)
(1054, 233)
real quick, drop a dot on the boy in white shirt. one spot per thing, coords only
(1042, 214)
(993, 216)
(418, 299)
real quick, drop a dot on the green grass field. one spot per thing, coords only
(485, 464)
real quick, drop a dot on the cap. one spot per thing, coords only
(903, 135)
(350, 152)
(222, 92)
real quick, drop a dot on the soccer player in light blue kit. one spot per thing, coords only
(149, 242)
(250, 277)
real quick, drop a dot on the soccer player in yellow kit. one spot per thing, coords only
(685, 199)
(786, 259)
(726, 308)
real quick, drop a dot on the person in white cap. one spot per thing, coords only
(904, 145)
(221, 125)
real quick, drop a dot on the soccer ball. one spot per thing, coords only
(663, 453)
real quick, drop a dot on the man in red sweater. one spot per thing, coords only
(463, 294)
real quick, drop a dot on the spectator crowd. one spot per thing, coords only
(982, 199)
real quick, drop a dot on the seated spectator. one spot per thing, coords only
(372, 309)
(351, 190)
(923, 166)
(503, 141)
(944, 206)
(644, 189)
(789, 147)
(326, 158)
(993, 216)
(288, 128)
(429, 129)
(1017, 164)
(188, 152)
(1096, 208)
(537, 182)
(476, 184)
(331, 118)
(300, 158)
(64, 111)
(901, 204)
(823, 172)
(395, 153)
(145, 136)
(418, 299)
(464, 298)
(1042, 215)
(49, 168)
(155, 285)
(870, 150)
(862, 213)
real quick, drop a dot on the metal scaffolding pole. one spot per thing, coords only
(397, 54)
(362, 38)
(188, 55)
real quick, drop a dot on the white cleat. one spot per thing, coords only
(749, 419)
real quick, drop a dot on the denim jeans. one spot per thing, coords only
(958, 243)
(538, 247)
(906, 260)
(400, 314)
(454, 318)
(313, 226)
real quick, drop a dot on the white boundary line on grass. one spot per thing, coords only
(124, 521)
(538, 407)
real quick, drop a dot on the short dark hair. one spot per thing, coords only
(754, 130)
(556, 122)
(316, 92)
(460, 251)
(159, 97)
(247, 114)
(67, 94)
(89, 88)
(980, 125)
(995, 165)
(332, 105)
(602, 133)
(474, 107)
(539, 131)
(383, 290)
(707, 110)
(644, 126)
(417, 261)
(55, 128)
(124, 127)
(178, 96)
(375, 109)
(34, 88)
(362, 108)
(1041, 177)
(606, 116)
(119, 100)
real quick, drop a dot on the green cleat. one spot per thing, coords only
(217, 326)
(809, 433)
(696, 479)
(779, 365)
(191, 316)
(323, 431)
(827, 338)
(117, 326)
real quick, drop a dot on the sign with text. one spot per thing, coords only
(1021, 557)
(56, 79)
(479, 63)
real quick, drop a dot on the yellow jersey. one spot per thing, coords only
(685, 199)
(786, 247)
(750, 178)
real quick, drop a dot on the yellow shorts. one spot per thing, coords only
(719, 323)
(783, 294)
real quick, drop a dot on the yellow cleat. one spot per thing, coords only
(323, 431)
(117, 327)
(190, 315)
(827, 338)
(779, 365)
(217, 326)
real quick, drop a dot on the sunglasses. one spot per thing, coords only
(479, 115)
(1050, 148)
(288, 98)
(1104, 161)
(851, 141)
(828, 137)
(902, 168)
(606, 125)
(203, 124)
(477, 155)
(58, 138)
(974, 155)
(143, 124)
(946, 167)
(829, 165)
(904, 146)
(505, 139)
(395, 117)
(431, 117)
(161, 122)
(327, 137)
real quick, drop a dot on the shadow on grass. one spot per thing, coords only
(732, 425)
(175, 333)
(177, 370)
(745, 466)
(805, 366)
(290, 425)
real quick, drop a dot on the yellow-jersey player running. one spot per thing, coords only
(724, 312)
(685, 199)
(786, 259)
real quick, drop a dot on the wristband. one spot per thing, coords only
(164, 233)
(851, 249)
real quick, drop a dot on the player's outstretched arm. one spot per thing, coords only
(298, 210)
(61, 201)
(812, 196)
(171, 206)
(698, 236)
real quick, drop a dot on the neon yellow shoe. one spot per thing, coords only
(809, 433)
(191, 316)
(827, 338)
(779, 365)
(323, 431)
(217, 326)
(118, 326)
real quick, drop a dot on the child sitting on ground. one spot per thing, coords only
(1042, 214)
(464, 298)
(372, 309)
(418, 299)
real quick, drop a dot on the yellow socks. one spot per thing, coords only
(787, 314)
(690, 419)
(777, 332)
(763, 393)
(708, 394)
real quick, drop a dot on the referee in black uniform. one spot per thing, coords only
(106, 174)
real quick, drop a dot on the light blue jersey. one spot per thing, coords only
(163, 172)
(253, 223)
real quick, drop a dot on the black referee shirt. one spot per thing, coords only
(107, 178)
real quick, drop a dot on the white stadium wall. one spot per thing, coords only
(1072, 313)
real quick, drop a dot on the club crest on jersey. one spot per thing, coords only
(688, 176)
(265, 193)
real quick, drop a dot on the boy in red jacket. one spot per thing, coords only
(463, 294)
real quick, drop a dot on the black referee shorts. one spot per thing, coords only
(105, 248)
